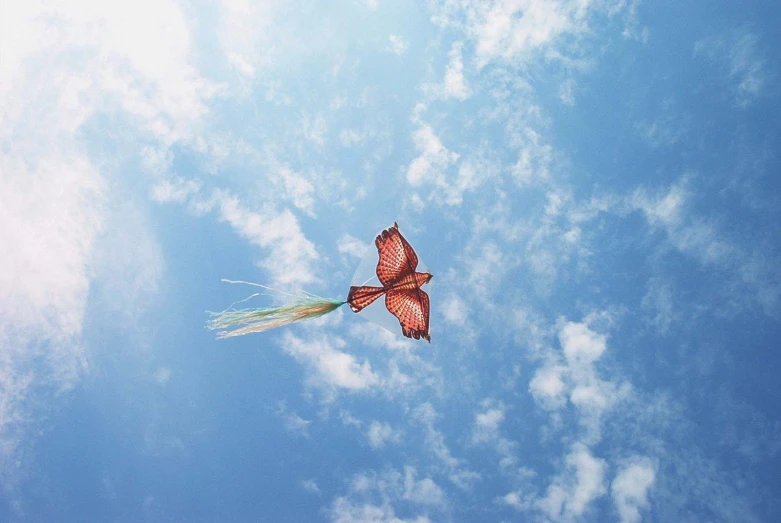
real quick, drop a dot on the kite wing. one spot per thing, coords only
(397, 257)
(411, 307)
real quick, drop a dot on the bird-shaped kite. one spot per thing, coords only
(400, 283)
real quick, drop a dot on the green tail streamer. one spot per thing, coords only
(232, 322)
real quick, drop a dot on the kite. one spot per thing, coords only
(399, 282)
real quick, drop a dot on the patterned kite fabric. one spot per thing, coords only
(404, 298)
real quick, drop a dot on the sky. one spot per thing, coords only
(593, 183)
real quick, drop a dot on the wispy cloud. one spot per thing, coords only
(54, 200)
(571, 493)
(374, 497)
(310, 485)
(701, 239)
(507, 31)
(397, 45)
(454, 84)
(291, 257)
(433, 161)
(330, 367)
(741, 59)
(630, 488)
(576, 379)
(244, 34)
(425, 415)
(380, 434)
(487, 430)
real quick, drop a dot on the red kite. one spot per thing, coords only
(400, 284)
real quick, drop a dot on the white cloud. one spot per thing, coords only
(581, 345)
(577, 380)
(310, 485)
(373, 497)
(291, 257)
(162, 375)
(455, 310)
(486, 430)
(369, 4)
(509, 30)
(741, 61)
(433, 161)
(345, 511)
(426, 416)
(297, 188)
(352, 246)
(243, 29)
(534, 160)
(380, 434)
(701, 239)
(174, 190)
(659, 301)
(293, 422)
(630, 488)
(424, 491)
(397, 45)
(454, 85)
(665, 210)
(351, 137)
(330, 367)
(571, 492)
(55, 206)
(548, 386)
(486, 426)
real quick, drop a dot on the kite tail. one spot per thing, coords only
(234, 322)
(239, 322)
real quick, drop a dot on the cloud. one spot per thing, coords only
(486, 426)
(510, 30)
(174, 190)
(658, 300)
(243, 29)
(293, 422)
(397, 45)
(369, 4)
(329, 367)
(380, 434)
(162, 375)
(571, 492)
(630, 488)
(345, 511)
(57, 208)
(486, 430)
(433, 161)
(352, 246)
(425, 415)
(310, 485)
(291, 257)
(741, 60)
(534, 159)
(438, 169)
(374, 497)
(576, 379)
(454, 85)
(700, 239)
(548, 386)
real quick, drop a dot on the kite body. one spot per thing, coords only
(400, 284)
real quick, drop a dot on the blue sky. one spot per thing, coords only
(593, 183)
